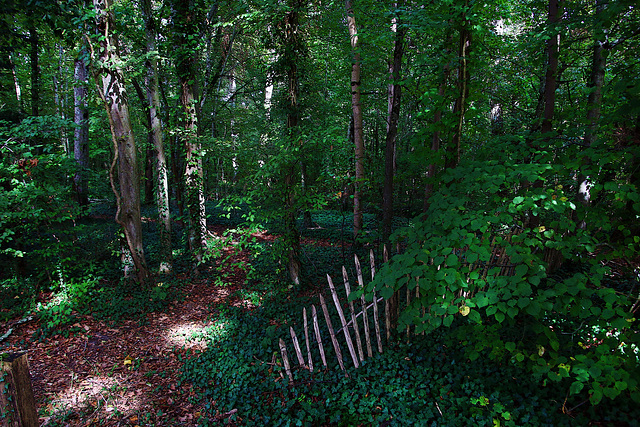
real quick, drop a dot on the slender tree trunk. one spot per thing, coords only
(358, 136)
(16, 83)
(35, 70)
(437, 119)
(185, 29)
(81, 132)
(594, 103)
(393, 115)
(552, 66)
(460, 105)
(160, 178)
(113, 92)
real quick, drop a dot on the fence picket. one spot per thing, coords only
(334, 341)
(354, 322)
(316, 329)
(296, 346)
(285, 360)
(365, 315)
(375, 303)
(345, 329)
(306, 337)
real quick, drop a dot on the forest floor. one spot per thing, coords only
(127, 374)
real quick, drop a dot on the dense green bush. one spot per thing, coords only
(488, 251)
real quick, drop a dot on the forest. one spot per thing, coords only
(181, 180)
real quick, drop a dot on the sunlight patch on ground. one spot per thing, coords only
(98, 397)
(188, 335)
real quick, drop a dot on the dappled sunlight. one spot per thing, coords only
(101, 396)
(190, 335)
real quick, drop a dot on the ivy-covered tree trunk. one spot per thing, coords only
(81, 132)
(185, 27)
(113, 92)
(358, 135)
(160, 175)
(393, 114)
(291, 175)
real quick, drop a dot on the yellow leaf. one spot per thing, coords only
(128, 360)
(464, 310)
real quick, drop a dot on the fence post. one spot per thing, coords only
(17, 404)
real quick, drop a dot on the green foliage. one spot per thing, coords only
(486, 255)
(34, 201)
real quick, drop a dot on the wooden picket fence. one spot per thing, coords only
(353, 343)
(356, 331)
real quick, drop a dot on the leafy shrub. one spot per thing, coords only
(487, 251)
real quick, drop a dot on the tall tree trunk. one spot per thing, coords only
(393, 114)
(292, 52)
(35, 69)
(460, 105)
(114, 95)
(185, 30)
(160, 179)
(358, 136)
(81, 131)
(16, 83)
(594, 103)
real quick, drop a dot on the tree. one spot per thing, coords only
(393, 114)
(160, 178)
(112, 90)
(358, 136)
(185, 22)
(81, 132)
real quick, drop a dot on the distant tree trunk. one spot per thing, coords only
(16, 83)
(160, 179)
(113, 92)
(81, 132)
(393, 115)
(185, 29)
(35, 69)
(594, 103)
(460, 105)
(358, 136)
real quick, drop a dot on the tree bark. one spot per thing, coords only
(35, 69)
(160, 178)
(393, 115)
(460, 105)
(81, 132)
(114, 95)
(356, 107)
(185, 29)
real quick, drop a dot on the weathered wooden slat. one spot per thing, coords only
(296, 346)
(408, 303)
(316, 329)
(387, 303)
(375, 302)
(345, 329)
(365, 315)
(354, 322)
(334, 341)
(285, 360)
(306, 338)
